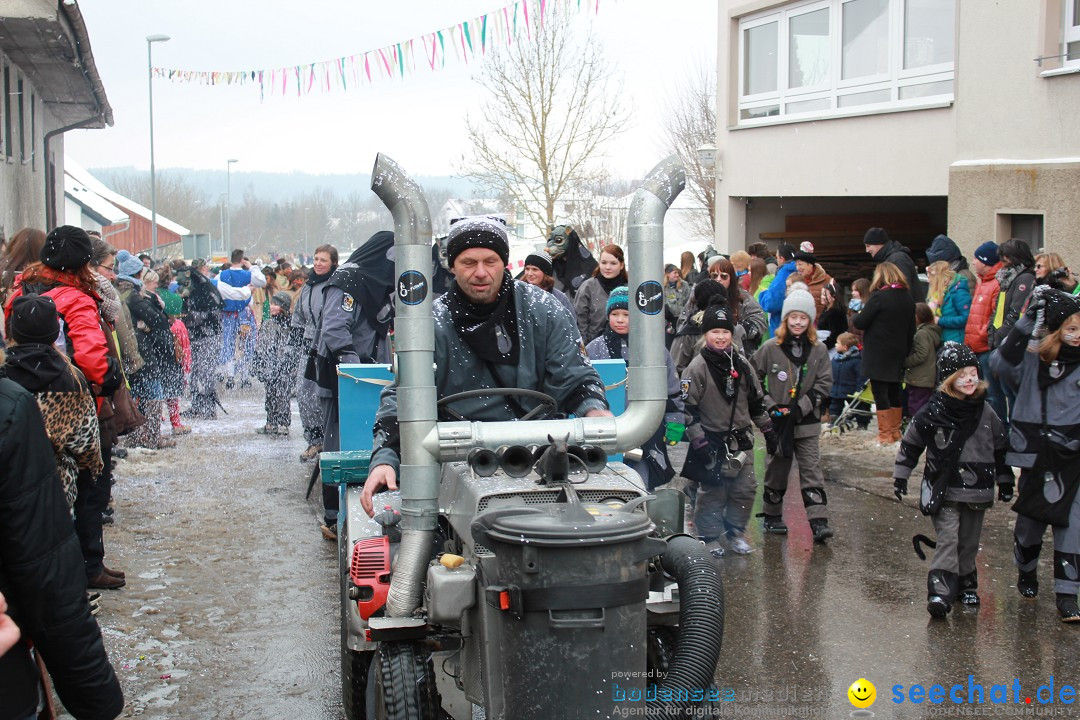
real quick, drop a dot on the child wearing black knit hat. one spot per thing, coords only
(965, 448)
(723, 396)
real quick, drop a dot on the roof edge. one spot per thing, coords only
(74, 16)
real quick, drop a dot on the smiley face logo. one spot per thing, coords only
(862, 693)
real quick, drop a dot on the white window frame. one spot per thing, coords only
(894, 80)
(1070, 33)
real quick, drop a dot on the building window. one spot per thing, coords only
(826, 58)
(1071, 42)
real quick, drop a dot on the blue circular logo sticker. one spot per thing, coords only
(650, 297)
(412, 287)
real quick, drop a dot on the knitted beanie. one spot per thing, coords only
(540, 260)
(953, 358)
(717, 315)
(66, 248)
(478, 232)
(34, 320)
(799, 301)
(619, 299)
(987, 253)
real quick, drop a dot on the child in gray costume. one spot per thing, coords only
(722, 396)
(965, 448)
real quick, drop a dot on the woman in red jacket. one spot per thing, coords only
(64, 275)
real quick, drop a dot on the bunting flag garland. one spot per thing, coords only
(468, 40)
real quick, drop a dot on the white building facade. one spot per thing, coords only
(920, 116)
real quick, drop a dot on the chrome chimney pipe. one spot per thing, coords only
(414, 340)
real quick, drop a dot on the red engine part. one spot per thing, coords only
(370, 573)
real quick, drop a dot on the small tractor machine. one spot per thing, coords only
(518, 574)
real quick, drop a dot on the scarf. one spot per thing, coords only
(796, 348)
(614, 343)
(1006, 276)
(110, 299)
(610, 284)
(315, 278)
(489, 330)
(726, 368)
(947, 423)
(1067, 360)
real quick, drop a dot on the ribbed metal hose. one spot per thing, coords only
(701, 625)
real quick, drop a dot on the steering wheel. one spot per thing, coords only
(547, 403)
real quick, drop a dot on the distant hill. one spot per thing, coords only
(279, 187)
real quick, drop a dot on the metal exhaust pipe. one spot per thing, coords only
(595, 458)
(647, 371)
(414, 341)
(516, 460)
(483, 462)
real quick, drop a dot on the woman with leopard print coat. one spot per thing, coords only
(60, 389)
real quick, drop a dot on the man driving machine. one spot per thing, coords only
(492, 332)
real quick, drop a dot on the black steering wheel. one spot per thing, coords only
(547, 403)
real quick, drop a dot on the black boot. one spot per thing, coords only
(941, 587)
(1028, 583)
(1067, 607)
(820, 528)
(774, 524)
(968, 584)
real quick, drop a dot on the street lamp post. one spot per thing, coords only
(228, 203)
(150, 40)
(305, 232)
(221, 219)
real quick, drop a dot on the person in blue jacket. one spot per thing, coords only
(772, 299)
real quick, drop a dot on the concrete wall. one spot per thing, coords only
(1005, 108)
(979, 193)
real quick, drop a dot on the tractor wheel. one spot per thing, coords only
(354, 681)
(660, 649)
(404, 683)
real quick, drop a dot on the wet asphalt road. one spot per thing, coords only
(231, 605)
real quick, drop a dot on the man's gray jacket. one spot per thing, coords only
(552, 360)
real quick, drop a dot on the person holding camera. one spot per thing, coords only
(1050, 269)
(795, 371)
(722, 397)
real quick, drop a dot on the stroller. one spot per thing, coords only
(859, 406)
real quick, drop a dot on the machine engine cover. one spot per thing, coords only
(370, 573)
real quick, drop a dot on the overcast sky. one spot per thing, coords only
(419, 121)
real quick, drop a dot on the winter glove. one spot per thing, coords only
(1005, 492)
(899, 487)
(797, 413)
(673, 433)
(700, 443)
(1036, 310)
(772, 441)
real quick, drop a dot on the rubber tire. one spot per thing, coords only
(404, 683)
(660, 645)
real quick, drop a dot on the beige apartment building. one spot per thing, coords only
(922, 116)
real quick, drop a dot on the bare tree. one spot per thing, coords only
(691, 123)
(553, 103)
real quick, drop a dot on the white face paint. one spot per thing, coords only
(967, 380)
(797, 322)
(1070, 331)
